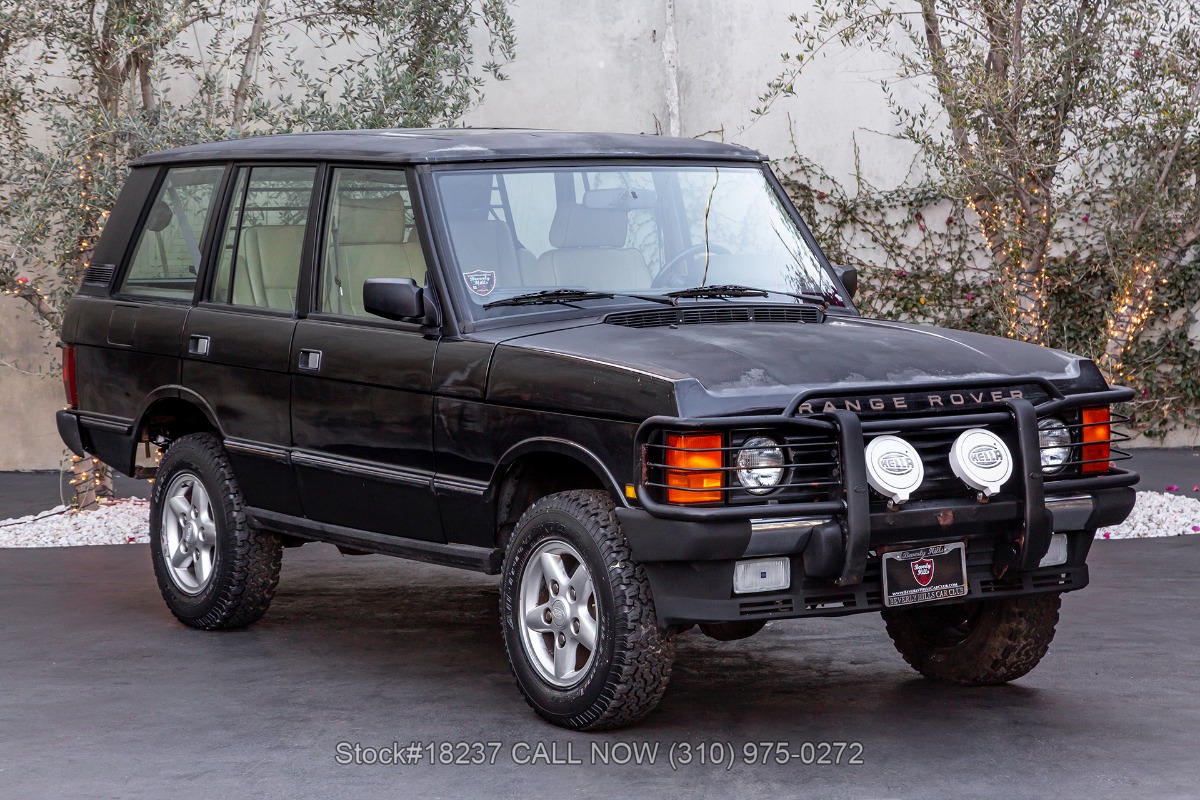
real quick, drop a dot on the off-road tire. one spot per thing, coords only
(983, 643)
(247, 561)
(632, 663)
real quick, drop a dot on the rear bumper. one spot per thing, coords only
(108, 438)
(69, 432)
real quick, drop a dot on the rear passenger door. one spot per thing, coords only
(237, 342)
(361, 404)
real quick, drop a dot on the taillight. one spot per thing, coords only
(694, 467)
(68, 371)
(1097, 437)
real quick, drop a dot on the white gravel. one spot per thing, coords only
(126, 522)
(119, 522)
(1157, 514)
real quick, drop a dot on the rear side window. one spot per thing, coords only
(263, 240)
(167, 258)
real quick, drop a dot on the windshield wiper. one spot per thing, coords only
(569, 296)
(737, 290)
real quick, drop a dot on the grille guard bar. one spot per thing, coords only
(852, 509)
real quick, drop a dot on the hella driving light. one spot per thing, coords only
(1055, 442)
(760, 465)
(762, 575)
(981, 460)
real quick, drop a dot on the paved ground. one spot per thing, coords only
(103, 694)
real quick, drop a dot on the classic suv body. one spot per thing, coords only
(239, 313)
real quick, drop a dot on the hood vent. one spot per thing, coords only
(703, 316)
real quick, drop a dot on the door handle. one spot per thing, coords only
(198, 345)
(310, 360)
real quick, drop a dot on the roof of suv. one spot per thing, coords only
(412, 145)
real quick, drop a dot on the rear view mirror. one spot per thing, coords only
(849, 278)
(394, 298)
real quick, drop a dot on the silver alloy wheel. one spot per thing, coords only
(189, 535)
(559, 614)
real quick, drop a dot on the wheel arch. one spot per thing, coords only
(538, 467)
(174, 411)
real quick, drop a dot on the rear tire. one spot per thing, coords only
(982, 643)
(215, 572)
(578, 617)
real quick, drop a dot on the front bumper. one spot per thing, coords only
(690, 565)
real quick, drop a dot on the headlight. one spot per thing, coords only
(1055, 442)
(760, 465)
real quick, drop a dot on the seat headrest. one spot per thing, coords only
(374, 220)
(576, 225)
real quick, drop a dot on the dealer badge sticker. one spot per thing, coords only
(894, 468)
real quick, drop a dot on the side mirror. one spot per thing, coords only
(394, 298)
(849, 278)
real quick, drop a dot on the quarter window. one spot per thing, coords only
(263, 240)
(167, 258)
(369, 233)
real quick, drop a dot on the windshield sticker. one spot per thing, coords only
(480, 282)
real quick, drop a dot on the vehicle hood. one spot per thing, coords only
(759, 366)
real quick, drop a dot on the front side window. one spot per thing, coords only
(647, 230)
(369, 233)
(167, 258)
(263, 239)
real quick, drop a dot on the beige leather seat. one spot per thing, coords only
(369, 242)
(590, 250)
(268, 266)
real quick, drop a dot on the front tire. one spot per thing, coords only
(982, 643)
(578, 617)
(215, 572)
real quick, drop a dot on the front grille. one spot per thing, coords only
(714, 315)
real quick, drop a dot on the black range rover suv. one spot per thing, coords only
(615, 370)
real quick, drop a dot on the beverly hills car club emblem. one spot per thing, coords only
(981, 460)
(922, 570)
(894, 468)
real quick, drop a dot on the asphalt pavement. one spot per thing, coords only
(104, 695)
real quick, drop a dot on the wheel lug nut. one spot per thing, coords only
(547, 617)
(571, 593)
(575, 625)
(554, 587)
(562, 640)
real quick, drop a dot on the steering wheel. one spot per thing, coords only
(663, 277)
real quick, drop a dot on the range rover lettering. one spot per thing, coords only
(614, 370)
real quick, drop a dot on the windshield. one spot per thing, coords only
(622, 230)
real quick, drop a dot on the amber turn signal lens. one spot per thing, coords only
(1097, 433)
(694, 462)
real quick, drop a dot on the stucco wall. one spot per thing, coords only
(28, 438)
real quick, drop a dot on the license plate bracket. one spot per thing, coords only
(923, 574)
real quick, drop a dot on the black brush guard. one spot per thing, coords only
(850, 504)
